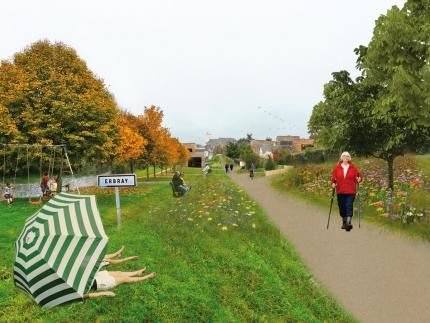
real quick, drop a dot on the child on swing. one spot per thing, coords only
(8, 194)
(53, 185)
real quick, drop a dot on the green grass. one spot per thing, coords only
(424, 162)
(214, 162)
(142, 172)
(216, 256)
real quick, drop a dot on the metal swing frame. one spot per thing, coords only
(51, 166)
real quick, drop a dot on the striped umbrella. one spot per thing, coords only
(60, 250)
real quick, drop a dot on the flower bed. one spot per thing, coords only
(408, 179)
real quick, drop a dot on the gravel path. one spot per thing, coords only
(375, 274)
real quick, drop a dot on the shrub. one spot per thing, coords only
(270, 164)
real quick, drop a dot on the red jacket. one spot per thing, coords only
(347, 184)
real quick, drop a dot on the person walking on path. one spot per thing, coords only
(344, 180)
(231, 167)
(226, 166)
(251, 171)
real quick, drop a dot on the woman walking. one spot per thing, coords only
(344, 179)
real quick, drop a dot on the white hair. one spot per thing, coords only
(345, 153)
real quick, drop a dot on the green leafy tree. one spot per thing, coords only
(232, 150)
(386, 111)
(396, 62)
(249, 157)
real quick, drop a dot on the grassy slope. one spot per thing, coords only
(205, 273)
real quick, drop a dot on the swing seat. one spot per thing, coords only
(4, 197)
(175, 192)
(35, 202)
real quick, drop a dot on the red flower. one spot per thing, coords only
(415, 182)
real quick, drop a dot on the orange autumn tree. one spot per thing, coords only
(161, 148)
(49, 95)
(183, 153)
(8, 130)
(149, 127)
(132, 145)
(165, 153)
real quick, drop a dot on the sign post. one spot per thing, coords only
(117, 181)
(118, 207)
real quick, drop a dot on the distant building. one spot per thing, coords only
(262, 147)
(266, 151)
(294, 143)
(197, 155)
(257, 144)
(220, 142)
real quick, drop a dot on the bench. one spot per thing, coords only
(175, 192)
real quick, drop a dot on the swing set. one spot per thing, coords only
(53, 152)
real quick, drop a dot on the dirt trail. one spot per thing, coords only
(377, 275)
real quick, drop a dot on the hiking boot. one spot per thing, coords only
(348, 225)
(343, 223)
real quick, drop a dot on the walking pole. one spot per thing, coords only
(358, 205)
(331, 204)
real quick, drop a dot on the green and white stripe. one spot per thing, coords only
(60, 250)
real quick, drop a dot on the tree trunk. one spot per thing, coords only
(131, 167)
(147, 172)
(155, 176)
(390, 164)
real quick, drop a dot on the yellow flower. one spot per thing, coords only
(224, 228)
(235, 225)
(209, 219)
(254, 226)
(380, 209)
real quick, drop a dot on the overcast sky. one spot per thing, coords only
(208, 64)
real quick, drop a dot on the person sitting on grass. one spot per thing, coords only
(179, 183)
(8, 194)
(105, 280)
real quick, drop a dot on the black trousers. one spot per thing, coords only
(346, 204)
